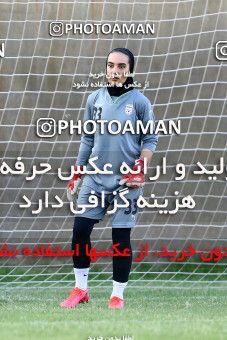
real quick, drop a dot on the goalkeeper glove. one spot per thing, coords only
(74, 183)
(135, 180)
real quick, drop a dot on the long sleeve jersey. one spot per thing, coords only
(115, 148)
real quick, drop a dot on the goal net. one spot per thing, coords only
(47, 48)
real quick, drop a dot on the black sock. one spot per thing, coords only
(81, 235)
(122, 264)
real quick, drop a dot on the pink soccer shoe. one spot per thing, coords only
(76, 296)
(116, 303)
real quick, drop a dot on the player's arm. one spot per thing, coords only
(86, 145)
(87, 140)
(149, 143)
(146, 153)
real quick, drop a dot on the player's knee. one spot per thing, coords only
(83, 227)
(121, 236)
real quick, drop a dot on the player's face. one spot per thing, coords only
(117, 67)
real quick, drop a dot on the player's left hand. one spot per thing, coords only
(135, 180)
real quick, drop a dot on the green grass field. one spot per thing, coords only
(148, 314)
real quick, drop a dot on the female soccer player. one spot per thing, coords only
(122, 102)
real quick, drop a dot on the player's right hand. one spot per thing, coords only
(74, 183)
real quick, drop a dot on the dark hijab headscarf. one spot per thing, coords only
(116, 90)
